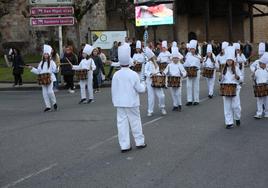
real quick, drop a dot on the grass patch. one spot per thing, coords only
(7, 76)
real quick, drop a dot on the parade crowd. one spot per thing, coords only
(147, 67)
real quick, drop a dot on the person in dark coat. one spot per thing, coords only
(97, 72)
(18, 66)
(66, 68)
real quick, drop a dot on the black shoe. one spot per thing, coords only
(179, 108)
(189, 104)
(196, 103)
(175, 109)
(47, 110)
(238, 123)
(229, 126)
(82, 101)
(126, 150)
(210, 96)
(142, 146)
(89, 101)
(55, 106)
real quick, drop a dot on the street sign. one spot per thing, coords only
(51, 2)
(52, 11)
(52, 21)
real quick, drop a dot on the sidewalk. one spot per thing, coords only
(35, 86)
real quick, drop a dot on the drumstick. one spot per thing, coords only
(69, 61)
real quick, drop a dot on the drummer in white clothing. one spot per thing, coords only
(152, 68)
(47, 65)
(138, 58)
(210, 63)
(176, 69)
(193, 59)
(86, 64)
(126, 87)
(232, 75)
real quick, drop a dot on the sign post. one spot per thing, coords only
(41, 16)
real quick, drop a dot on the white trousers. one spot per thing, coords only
(89, 83)
(176, 96)
(211, 83)
(193, 86)
(262, 101)
(48, 95)
(232, 108)
(129, 118)
(151, 97)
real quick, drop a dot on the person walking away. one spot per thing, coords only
(126, 87)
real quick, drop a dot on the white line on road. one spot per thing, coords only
(30, 176)
(115, 136)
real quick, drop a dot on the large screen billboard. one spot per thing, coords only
(161, 14)
(143, 2)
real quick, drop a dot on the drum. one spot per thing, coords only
(44, 79)
(191, 71)
(81, 74)
(162, 66)
(260, 90)
(174, 81)
(228, 90)
(158, 81)
(137, 67)
(208, 72)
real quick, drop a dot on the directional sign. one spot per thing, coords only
(51, 2)
(52, 11)
(52, 21)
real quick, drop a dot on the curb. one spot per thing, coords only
(37, 87)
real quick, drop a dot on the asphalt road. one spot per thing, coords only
(77, 146)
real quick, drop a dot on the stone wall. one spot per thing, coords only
(15, 28)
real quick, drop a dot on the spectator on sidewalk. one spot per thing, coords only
(18, 66)
(97, 71)
(113, 58)
(56, 58)
(66, 69)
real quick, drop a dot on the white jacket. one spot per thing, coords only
(85, 64)
(164, 57)
(175, 70)
(209, 64)
(139, 57)
(229, 77)
(126, 87)
(261, 76)
(52, 69)
(193, 61)
(150, 69)
(221, 59)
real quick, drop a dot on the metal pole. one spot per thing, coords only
(251, 23)
(230, 18)
(60, 41)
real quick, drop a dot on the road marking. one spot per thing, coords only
(115, 136)
(30, 176)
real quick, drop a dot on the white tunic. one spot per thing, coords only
(261, 76)
(240, 58)
(164, 57)
(175, 70)
(229, 77)
(209, 64)
(126, 87)
(139, 58)
(150, 69)
(85, 64)
(193, 61)
(221, 59)
(52, 69)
